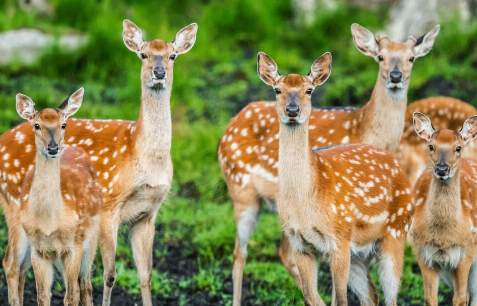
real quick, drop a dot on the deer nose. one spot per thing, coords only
(292, 110)
(53, 149)
(442, 169)
(396, 76)
(160, 73)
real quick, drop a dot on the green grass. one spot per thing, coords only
(212, 83)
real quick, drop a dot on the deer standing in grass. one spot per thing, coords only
(60, 204)
(132, 160)
(445, 112)
(350, 203)
(248, 150)
(444, 228)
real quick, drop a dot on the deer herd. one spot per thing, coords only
(351, 186)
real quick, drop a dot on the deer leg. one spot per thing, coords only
(16, 263)
(390, 264)
(361, 284)
(472, 284)
(245, 203)
(340, 267)
(308, 269)
(86, 289)
(71, 264)
(288, 260)
(431, 282)
(142, 238)
(461, 278)
(108, 239)
(43, 270)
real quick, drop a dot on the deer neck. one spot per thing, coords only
(154, 130)
(45, 192)
(443, 206)
(382, 118)
(295, 167)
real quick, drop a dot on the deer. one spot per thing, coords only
(444, 228)
(60, 203)
(132, 161)
(349, 203)
(248, 150)
(445, 112)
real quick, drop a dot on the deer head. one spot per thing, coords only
(157, 55)
(49, 124)
(395, 59)
(445, 146)
(293, 91)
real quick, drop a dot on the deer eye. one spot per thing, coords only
(380, 58)
(277, 91)
(143, 56)
(412, 59)
(431, 148)
(458, 149)
(63, 126)
(37, 126)
(172, 57)
(309, 91)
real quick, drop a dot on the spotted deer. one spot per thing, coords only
(445, 112)
(350, 203)
(248, 150)
(444, 228)
(132, 160)
(60, 203)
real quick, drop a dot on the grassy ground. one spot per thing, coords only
(195, 230)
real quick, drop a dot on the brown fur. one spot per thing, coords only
(350, 203)
(444, 221)
(248, 149)
(445, 112)
(132, 162)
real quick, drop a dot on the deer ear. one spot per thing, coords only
(469, 129)
(25, 107)
(132, 36)
(70, 106)
(185, 39)
(320, 70)
(364, 40)
(267, 69)
(424, 43)
(423, 126)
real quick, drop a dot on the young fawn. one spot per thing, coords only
(248, 150)
(60, 203)
(132, 160)
(350, 203)
(445, 112)
(444, 228)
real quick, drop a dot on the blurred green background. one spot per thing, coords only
(196, 231)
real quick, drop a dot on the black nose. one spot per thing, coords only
(160, 73)
(292, 110)
(53, 149)
(396, 76)
(442, 169)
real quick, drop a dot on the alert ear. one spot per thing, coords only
(423, 126)
(185, 38)
(267, 69)
(25, 107)
(364, 40)
(320, 70)
(469, 129)
(132, 36)
(70, 106)
(424, 43)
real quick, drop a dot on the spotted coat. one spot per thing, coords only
(93, 136)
